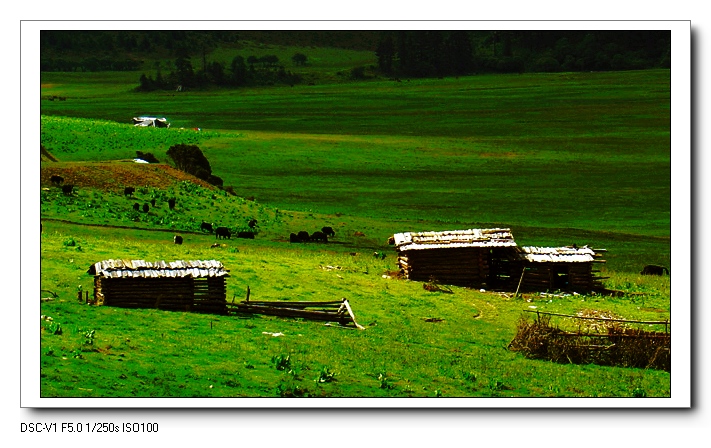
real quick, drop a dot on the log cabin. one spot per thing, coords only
(193, 285)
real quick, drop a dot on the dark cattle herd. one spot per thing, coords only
(222, 232)
(316, 237)
(319, 236)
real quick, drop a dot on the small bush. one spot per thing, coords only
(638, 392)
(325, 376)
(282, 362)
(147, 156)
(288, 388)
(384, 382)
(53, 328)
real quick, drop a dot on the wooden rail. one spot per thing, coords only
(336, 311)
(663, 322)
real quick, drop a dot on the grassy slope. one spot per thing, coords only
(518, 150)
(584, 155)
(400, 354)
(342, 153)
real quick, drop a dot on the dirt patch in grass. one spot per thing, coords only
(114, 176)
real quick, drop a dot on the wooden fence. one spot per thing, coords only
(619, 345)
(332, 311)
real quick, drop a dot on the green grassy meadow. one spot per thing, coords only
(566, 158)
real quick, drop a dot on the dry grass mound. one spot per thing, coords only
(114, 176)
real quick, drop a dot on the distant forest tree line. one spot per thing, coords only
(447, 53)
(399, 53)
(264, 70)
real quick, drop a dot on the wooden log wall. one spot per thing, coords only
(498, 268)
(579, 277)
(538, 277)
(504, 269)
(454, 266)
(206, 295)
(210, 295)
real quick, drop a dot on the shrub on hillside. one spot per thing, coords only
(147, 156)
(189, 158)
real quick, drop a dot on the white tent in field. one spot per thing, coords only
(151, 121)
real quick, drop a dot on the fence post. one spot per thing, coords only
(519, 282)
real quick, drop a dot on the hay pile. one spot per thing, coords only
(620, 346)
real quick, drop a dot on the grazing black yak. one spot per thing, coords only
(222, 232)
(56, 180)
(171, 203)
(67, 189)
(319, 237)
(328, 231)
(137, 206)
(145, 208)
(653, 269)
(177, 239)
(128, 191)
(206, 226)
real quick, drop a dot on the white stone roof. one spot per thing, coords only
(454, 239)
(567, 254)
(117, 268)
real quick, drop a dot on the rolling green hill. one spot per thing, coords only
(559, 158)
